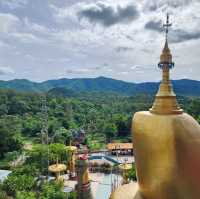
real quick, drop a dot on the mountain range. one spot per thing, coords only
(100, 84)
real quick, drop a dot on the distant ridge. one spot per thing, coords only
(100, 84)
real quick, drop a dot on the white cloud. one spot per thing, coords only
(60, 14)
(108, 14)
(8, 23)
(79, 71)
(27, 37)
(123, 73)
(154, 5)
(6, 71)
(34, 27)
(13, 4)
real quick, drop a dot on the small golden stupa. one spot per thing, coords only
(71, 150)
(125, 168)
(167, 146)
(57, 169)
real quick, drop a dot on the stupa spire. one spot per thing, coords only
(166, 26)
(165, 102)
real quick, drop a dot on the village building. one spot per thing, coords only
(120, 148)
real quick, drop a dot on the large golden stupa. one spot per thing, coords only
(167, 146)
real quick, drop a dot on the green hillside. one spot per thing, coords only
(100, 84)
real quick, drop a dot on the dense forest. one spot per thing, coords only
(100, 115)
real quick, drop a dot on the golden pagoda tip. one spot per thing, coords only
(165, 102)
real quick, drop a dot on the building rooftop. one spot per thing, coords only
(113, 146)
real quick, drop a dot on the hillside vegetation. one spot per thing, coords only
(103, 115)
(102, 84)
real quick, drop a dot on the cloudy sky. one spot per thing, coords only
(122, 39)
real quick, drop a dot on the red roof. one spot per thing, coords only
(113, 146)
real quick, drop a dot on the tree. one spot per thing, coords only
(14, 183)
(41, 154)
(72, 195)
(62, 135)
(38, 157)
(132, 173)
(52, 190)
(18, 106)
(198, 119)
(10, 139)
(3, 194)
(57, 151)
(25, 195)
(121, 122)
(110, 130)
(27, 169)
(31, 126)
(3, 109)
(194, 108)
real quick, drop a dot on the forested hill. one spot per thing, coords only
(182, 87)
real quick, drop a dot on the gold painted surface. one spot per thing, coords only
(72, 156)
(85, 178)
(166, 55)
(167, 155)
(128, 191)
(82, 171)
(165, 101)
(55, 168)
(71, 148)
(125, 167)
(71, 166)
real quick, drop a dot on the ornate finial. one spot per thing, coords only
(166, 57)
(167, 25)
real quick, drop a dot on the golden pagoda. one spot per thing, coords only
(83, 186)
(167, 146)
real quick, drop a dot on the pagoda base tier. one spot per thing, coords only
(167, 155)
